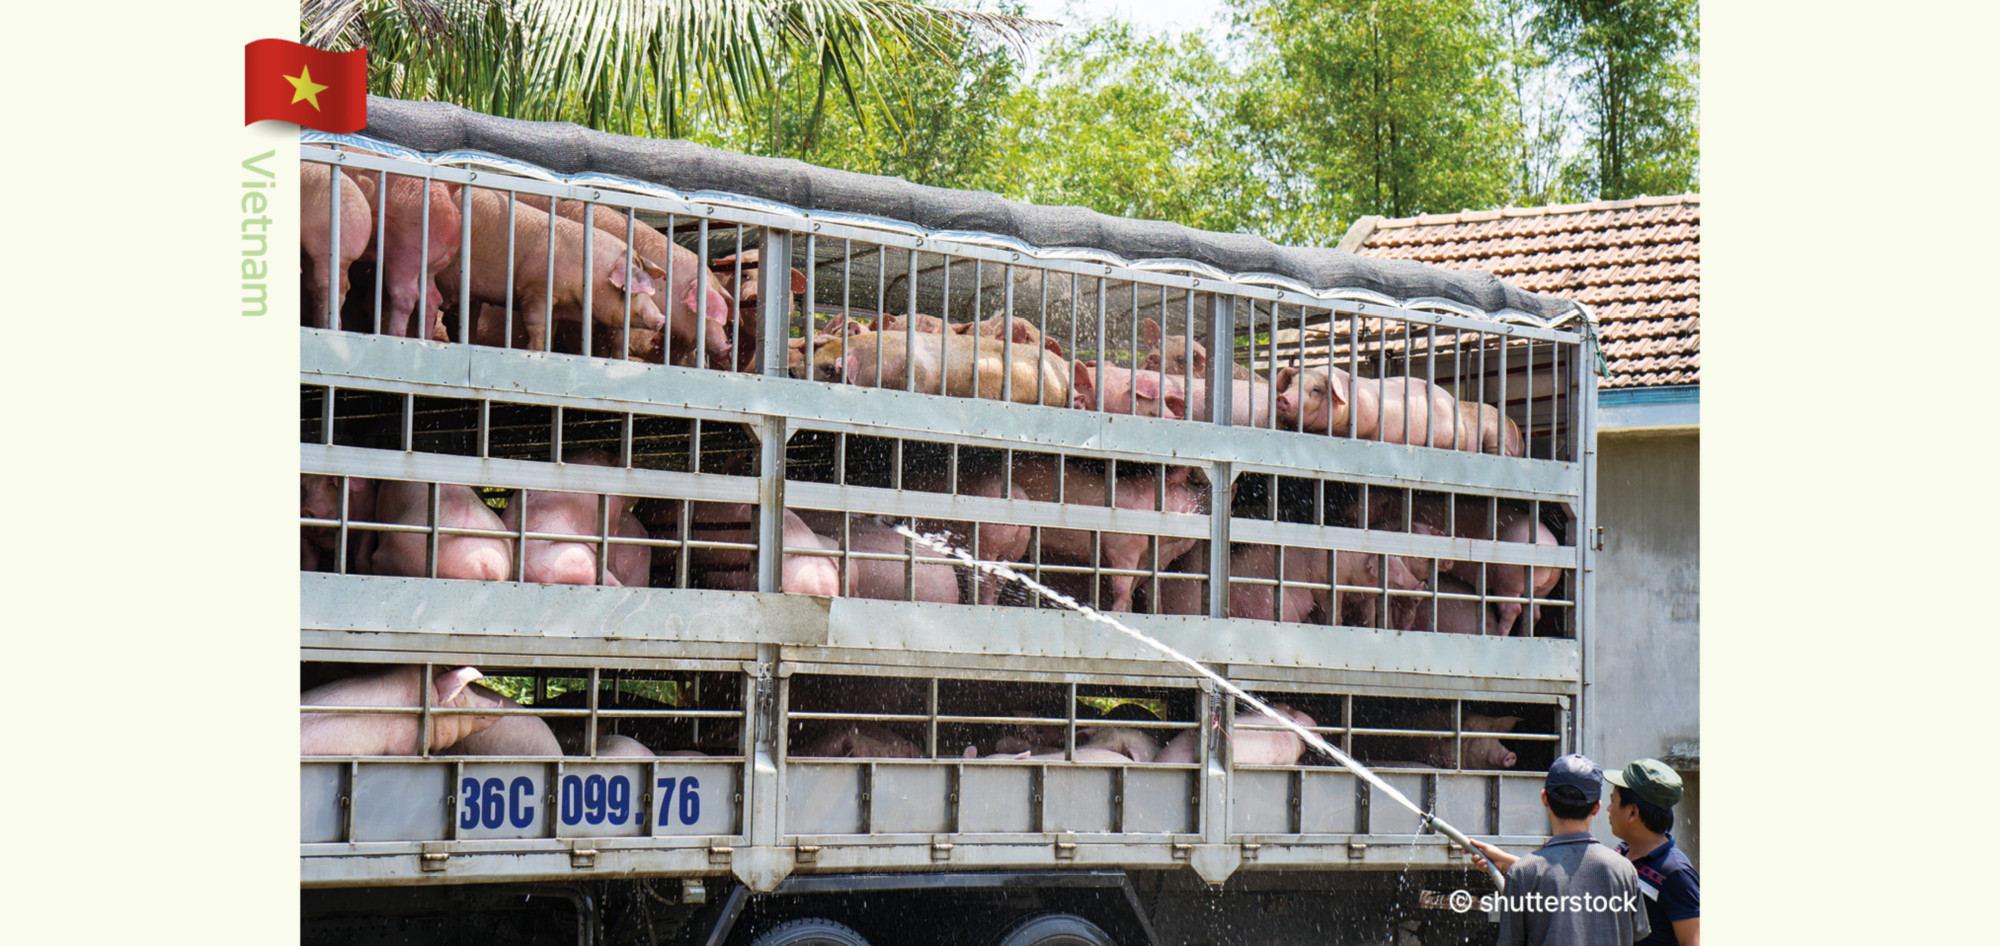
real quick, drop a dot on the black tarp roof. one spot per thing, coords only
(686, 167)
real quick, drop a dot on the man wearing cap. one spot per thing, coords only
(1572, 890)
(1641, 811)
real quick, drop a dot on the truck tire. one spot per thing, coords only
(809, 931)
(1054, 929)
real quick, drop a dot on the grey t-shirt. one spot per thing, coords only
(1572, 891)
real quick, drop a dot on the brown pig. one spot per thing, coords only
(942, 364)
(1480, 431)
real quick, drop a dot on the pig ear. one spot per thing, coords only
(653, 269)
(1083, 382)
(452, 683)
(853, 367)
(1176, 405)
(1054, 347)
(1146, 384)
(1507, 723)
(798, 281)
(1285, 376)
(726, 262)
(1152, 334)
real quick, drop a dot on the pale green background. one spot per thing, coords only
(148, 529)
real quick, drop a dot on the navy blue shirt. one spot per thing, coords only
(1671, 887)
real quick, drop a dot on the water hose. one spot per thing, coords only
(1499, 879)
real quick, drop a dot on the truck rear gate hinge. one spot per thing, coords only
(582, 858)
(719, 854)
(807, 854)
(433, 855)
(940, 847)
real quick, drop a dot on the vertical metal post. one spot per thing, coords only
(1584, 434)
(774, 298)
(1221, 341)
(1219, 474)
(770, 503)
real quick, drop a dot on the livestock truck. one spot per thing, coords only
(922, 751)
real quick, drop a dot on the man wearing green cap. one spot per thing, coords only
(1641, 811)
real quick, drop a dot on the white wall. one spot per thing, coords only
(1645, 694)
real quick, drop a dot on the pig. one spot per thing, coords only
(1479, 431)
(1454, 616)
(1170, 354)
(997, 541)
(391, 734)
(1095, 754)
(1479, 753)
(884, 578)
(1249, 747)
(509, 735)
(1186, 595)
(795, 362)
(411, 255)
(1326, 400)
(863, 741)
(732, 569)
(1510, 524)
(327, 264)
(616, 746)
(535, 289)
(1144, 393)
(1037, 475)
(1129, 743)
(1300, 605)
(745, 291)
(319, 498)
(459, 556)
(575, 563)
(694, 320)
(926, 324)
(942, 364)
(1249, 402)
(1310, 605)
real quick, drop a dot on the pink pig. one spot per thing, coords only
(328, 267)
(412, 255)
(391, 734)
(459, 556)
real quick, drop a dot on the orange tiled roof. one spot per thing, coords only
(1636, 263)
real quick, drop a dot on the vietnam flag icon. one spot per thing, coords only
(311, 88)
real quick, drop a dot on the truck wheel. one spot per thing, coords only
(809, 931)
(1054, 929)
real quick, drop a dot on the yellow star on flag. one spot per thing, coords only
(304, 88)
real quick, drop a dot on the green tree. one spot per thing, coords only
(1130, 124)
(1394, 107)
(932, 120)
(630, 66)
(1639, 66)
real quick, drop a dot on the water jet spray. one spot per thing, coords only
(1313, 739)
